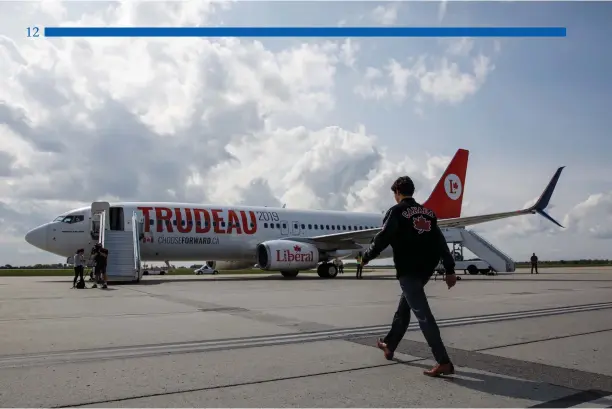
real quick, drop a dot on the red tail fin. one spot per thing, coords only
(447, 196)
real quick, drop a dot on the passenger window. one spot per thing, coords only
(333, 227)
(295, 226)
(310, 227)
(151, 222)
(284, 226)
(316, 227)
(303, 226)
(265, 225)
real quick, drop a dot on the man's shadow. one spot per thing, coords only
(498, 385)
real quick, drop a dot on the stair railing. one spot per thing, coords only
(136, 242)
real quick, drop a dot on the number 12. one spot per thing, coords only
(33, 32)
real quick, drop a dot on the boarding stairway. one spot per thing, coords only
(124, 260)
(497, 259)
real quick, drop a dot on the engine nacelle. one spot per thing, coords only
(229, 265)
(287, 255)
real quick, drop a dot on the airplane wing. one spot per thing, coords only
(354, 240)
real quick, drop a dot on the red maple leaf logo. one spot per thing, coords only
(455, 185)
(297, 249)
(421, 224)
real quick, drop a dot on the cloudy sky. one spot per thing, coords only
(313, 123)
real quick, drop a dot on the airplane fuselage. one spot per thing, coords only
(193, 232)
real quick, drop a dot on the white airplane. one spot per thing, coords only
(276, 239)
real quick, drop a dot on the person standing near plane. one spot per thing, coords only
(359, 266)
(101, 258)
(418, 245)
(534, 263)
(79, 266)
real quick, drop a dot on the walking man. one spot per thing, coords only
(418, 245)
(534, 263)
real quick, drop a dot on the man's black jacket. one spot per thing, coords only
(417, 241)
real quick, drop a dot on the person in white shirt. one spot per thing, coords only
(79, 266)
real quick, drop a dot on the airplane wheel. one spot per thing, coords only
(327, 270)
(289, 274)
(322, 270)
(332, 271)
(472, 269)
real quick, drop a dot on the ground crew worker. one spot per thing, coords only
(534, 263)
(418, 244)
(340, 267)
(359, 266)
(79, 266)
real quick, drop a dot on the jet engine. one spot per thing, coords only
(287, 255)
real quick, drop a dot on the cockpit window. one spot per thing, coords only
(70, 219)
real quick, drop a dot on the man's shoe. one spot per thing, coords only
(440, 369)
(381, 345)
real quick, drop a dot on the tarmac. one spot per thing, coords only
(517, 340)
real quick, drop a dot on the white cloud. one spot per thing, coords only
(592, 217)
(386, 15)
(442, 7)
(461, 47)
(440, 80)
(370, 88)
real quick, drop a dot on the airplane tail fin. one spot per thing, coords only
(544, 200)
(447, 197)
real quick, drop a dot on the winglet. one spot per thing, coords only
(544, 199)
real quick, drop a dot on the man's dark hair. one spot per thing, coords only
(403, 186)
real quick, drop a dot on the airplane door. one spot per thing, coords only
(295, 228)
(116, 218)
(284, 228)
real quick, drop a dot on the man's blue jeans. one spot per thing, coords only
(414, 298)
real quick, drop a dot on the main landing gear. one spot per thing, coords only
(327, 270)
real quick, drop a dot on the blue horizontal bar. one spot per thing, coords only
(305, 31)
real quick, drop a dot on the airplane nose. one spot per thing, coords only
(37, 237)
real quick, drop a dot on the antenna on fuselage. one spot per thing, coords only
(284, 205)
